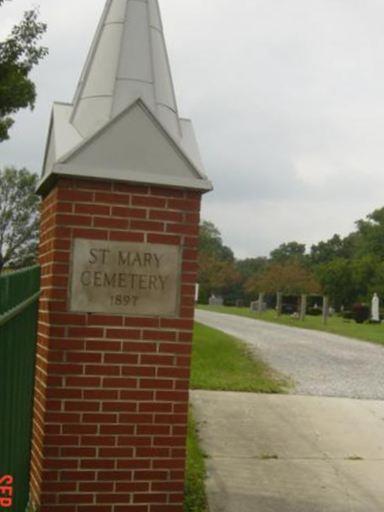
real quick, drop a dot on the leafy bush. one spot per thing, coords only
(314, 311)
(361, 313)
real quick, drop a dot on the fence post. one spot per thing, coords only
(325, 309)
(279, 303)
(260, 303)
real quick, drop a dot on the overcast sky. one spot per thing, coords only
(287, 98)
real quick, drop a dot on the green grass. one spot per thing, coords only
(220, 362)
(195, 497)
(336, 325)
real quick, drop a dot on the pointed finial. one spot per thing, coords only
(128, 59)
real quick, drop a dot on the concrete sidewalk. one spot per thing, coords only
(273, 453)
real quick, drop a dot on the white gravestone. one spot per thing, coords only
(375, 308)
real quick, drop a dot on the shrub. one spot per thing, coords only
(314, 311)
(360, 313)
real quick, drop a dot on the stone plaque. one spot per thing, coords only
(125, 278)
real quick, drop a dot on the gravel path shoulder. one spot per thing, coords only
(320, 364)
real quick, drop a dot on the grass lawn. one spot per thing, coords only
(220, 362)
(335, 325)
(195, 498)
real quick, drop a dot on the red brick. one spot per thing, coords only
(98, 440)
(167, 192)
(83, 357)
(166, 508)
(90, 234)
(150, 498)
(100, 394)
(75, 196)
(92, 209)
(183, 229)
(131, 189)
(116, 476)
(116, 453)
(165, 215)
(155, 384)
(159, 335)
(155, 238)
(112, 198)
(126, 236)
(119, 406)
(105, 320)
(99, 418)
(83, 382)
(94, 184)
(184, 204)
(132, 334)
(119, 358)
(77, 453)
(131, 508)
(150, 475)
(146, 225)
(74, 220)
(110, 223)
(77, 476)
(102, 369)
(150, 201)
(116, 382)
(82, 406)
(121, 211)
(86, 332)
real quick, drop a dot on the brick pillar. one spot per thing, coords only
(111, 393)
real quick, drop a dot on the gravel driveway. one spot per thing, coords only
(319, 363)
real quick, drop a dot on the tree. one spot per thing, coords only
(292, 278)
(216, 276)
(19, 218)
(324, 252)
(246, 269)
(210, 242)
(370, 234)
(287, 252)
(217, 272)
(19, 53)
(336, 280)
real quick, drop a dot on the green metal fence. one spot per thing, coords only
(19, 292)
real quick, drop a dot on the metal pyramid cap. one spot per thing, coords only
(128, 59)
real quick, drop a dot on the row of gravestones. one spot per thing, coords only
(255, 306)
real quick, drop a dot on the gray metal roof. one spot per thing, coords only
(126, 74)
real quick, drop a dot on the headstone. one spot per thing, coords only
(197, 292)
(254, 306)
(216, 301)
(239, 303)
(375, 308)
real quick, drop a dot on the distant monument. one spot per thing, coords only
(375, 308)
(216, 300)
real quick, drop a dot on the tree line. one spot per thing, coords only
(346, 269)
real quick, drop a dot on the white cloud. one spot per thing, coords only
(286, 97)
